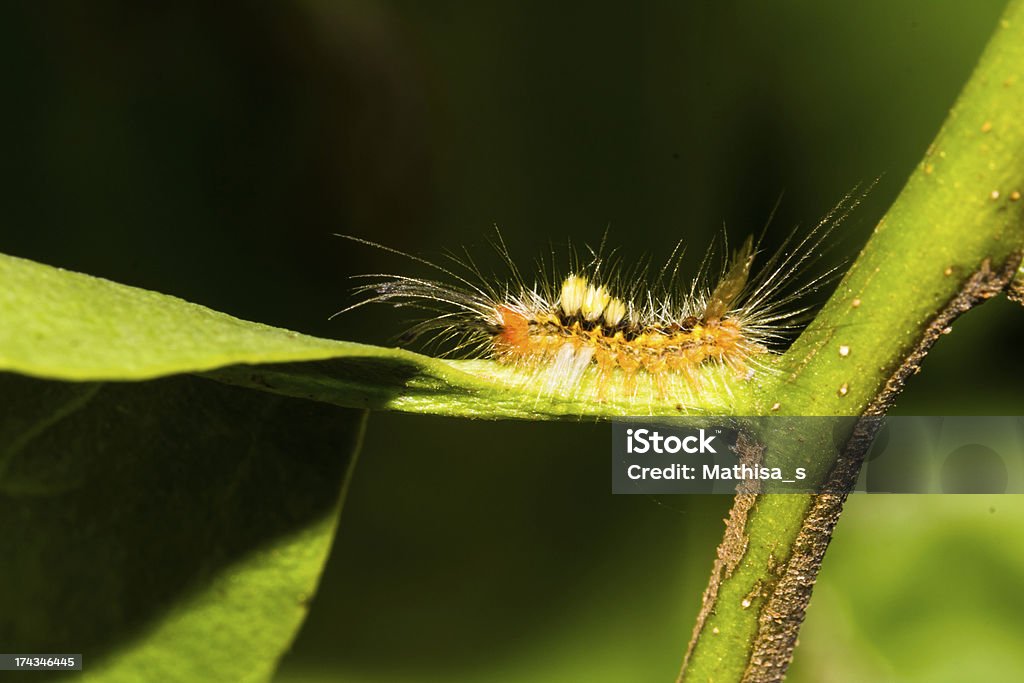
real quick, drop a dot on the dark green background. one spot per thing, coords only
(209, 150)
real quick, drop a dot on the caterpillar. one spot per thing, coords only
(600, 331)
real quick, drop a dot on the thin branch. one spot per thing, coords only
(952, 239)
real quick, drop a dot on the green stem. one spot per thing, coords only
(952, 239)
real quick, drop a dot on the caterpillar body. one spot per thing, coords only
(599, 332)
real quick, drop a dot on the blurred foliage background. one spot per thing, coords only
(210, 150)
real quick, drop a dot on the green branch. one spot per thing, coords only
(952, 239)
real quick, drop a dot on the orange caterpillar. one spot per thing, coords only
(588, 325)
(588, 329)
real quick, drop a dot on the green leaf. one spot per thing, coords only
(171, 530)
(173, 527)
(63, 325)
(70, 326)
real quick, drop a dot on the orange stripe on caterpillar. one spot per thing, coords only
(513, 335)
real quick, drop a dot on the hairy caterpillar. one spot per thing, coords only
(597, 330)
